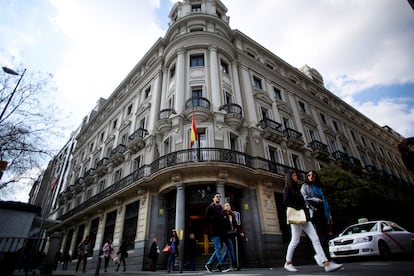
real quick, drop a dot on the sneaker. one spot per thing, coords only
(333, 267)
(290, 267)
(209, 268)
(317, 260)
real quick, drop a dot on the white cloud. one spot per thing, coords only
(105, 41)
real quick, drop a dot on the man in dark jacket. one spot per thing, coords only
(215, 219)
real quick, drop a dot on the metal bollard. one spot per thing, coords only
(98, 265)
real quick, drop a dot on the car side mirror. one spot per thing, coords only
(387, 229)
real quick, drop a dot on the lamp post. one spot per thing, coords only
(11, 72)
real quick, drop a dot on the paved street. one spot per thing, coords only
(367, 268)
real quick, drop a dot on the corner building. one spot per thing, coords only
(133, 174)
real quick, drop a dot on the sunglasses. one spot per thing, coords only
(311, 174)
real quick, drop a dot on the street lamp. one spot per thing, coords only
(11, 72)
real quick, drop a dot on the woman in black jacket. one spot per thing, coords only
(293, 198)
(124, 255)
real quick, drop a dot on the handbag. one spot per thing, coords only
(231, 233)
(295, 216)
(167, 249)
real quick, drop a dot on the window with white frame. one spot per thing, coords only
(257, 83)
(224, 66)
(136, 163)
(101, 186)
(196, 60)
(274, 155)
(277, 93)
(296, 161)
(117, 175)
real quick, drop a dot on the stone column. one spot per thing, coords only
(164, 89)
(180, 220)
(155, 106)
(221, 191)
(215, 84)
(179, 83)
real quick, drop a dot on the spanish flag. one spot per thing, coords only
(193, 134)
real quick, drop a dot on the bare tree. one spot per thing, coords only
(28, 123)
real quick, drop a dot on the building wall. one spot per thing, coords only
(135, 145)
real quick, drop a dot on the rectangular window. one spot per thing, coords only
(117, 175)
(196, 8)
(196, 60)
(129, 109)
(147, 92)
(102, 136)
(172, 72)
(302, 107)
(224, 67)
(109, 226)
(142, 123)
(335, 125)
(196, 93)
(130, 224)
(79, 236)
(257, 83)
(274, 155)
(296, 162)
(88, 194)
(323, 118)
(137, 163)
(93, 231)
(101, 186)
(227, 97)
(277, 93)
(114, 124)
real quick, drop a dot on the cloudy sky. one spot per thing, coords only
(362, 48)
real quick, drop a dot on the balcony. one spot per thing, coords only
(102, 166)
(116, 156)
(320, 150)
(355, 165)
(234, 117)
(88, 177)
(341, 159)
(78, 185)
(198, 106)
(164, 123)
(294, 139)
(136, 141)
(272, 130)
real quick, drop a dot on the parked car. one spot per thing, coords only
(372, 238)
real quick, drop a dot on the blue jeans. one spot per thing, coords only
(217, 251)
(229, 251)
(171, 261)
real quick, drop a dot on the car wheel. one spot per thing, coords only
(384, 250)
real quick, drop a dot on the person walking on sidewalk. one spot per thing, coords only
(232, 231)
(215, 219)
(153, 254)
(174, 242)
(83, 251)
(319, 210)
(123, 255)
(107, 250)
(293, 198)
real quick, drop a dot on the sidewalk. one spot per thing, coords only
(245, 271)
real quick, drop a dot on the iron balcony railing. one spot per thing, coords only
(268, 123)
(197, 102)
(232, 108)
(207, 155)
(166, 113)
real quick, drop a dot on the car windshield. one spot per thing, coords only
(360, 228)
